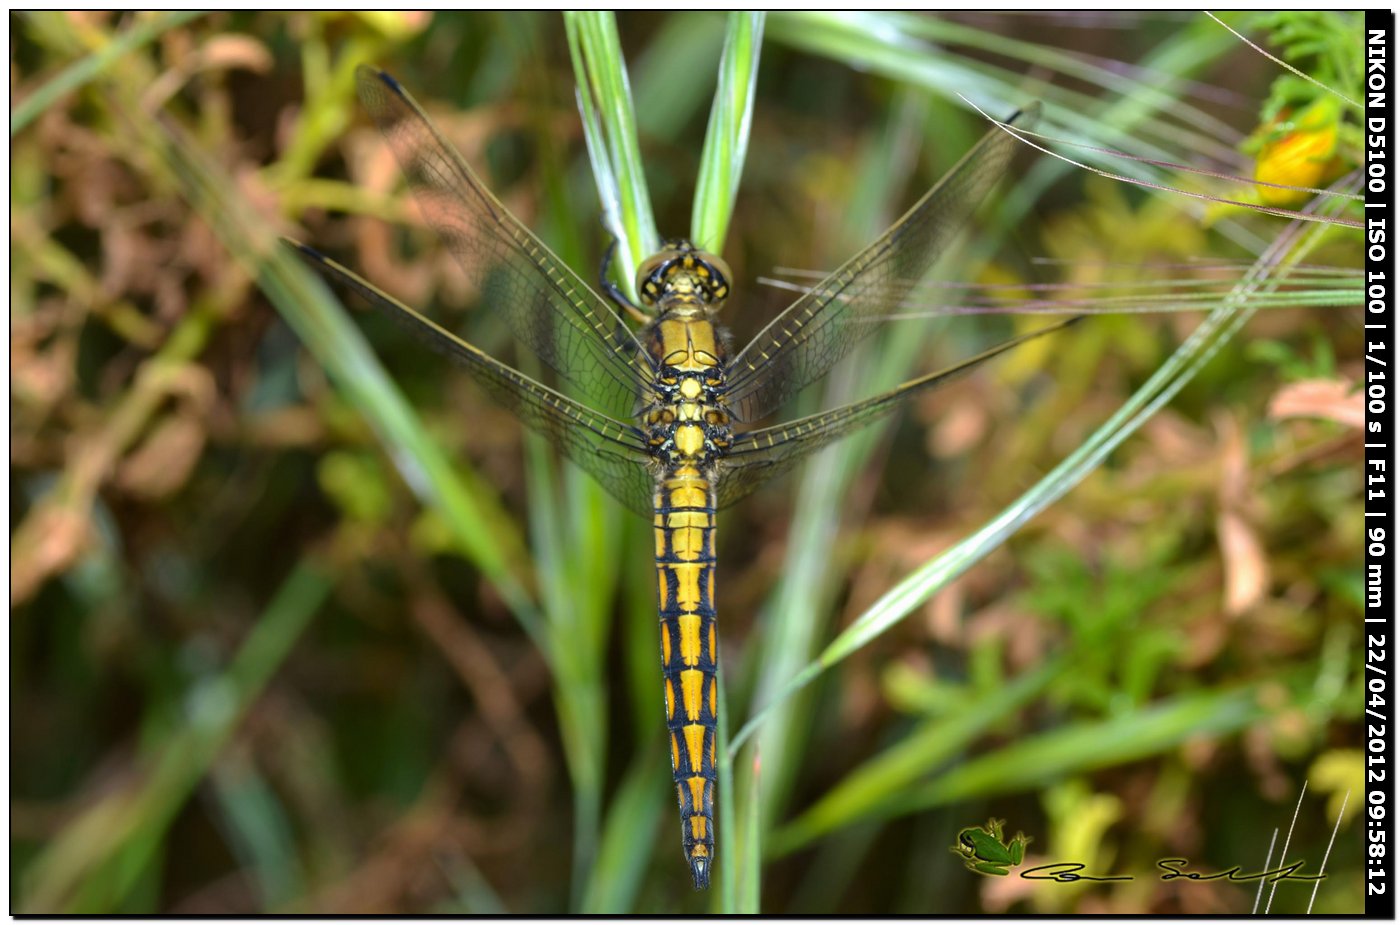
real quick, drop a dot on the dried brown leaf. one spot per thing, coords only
(1175, 440)
(40, 373)
(48, 542)
(1330, 399)
(235, 51)
(162, 464)
(958, 430)
(1246, 565)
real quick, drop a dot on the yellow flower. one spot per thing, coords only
(1301, 150)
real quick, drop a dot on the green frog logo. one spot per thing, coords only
(985, 850)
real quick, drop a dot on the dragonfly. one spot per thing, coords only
(664, 415)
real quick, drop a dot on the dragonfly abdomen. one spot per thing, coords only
(684, 527)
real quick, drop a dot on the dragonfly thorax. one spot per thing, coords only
(684, 414)
(681, 276)
(686, 423)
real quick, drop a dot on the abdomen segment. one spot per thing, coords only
(684, 528)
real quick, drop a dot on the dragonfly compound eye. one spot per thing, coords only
(718, 276)
(651, 275)
(681, 269)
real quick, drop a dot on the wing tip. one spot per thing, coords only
(370, 74)
(305, 250)
(390, 82)
(1027, 115)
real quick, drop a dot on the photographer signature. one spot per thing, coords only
(987, 851)
(1173, 869)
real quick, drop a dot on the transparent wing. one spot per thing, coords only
(612, 452)
(813, 333)
(546, 305)
(763, 454)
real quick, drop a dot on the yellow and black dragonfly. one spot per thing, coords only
(662, 412)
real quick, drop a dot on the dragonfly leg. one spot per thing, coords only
(611, 289)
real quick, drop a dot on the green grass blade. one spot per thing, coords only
(890, 45)
(749, 861)
(790, 631)
(667, 95)
(1082, 747)
(727, 135)
(610, 130)
(635, 819)
(92, 66)
(894, 45)
(484, 533)
(575, 535)
(95, 863)
(909, 761)
(472, 892)
(1170, 378)
(1161, 97)
(726, 900)
(260, 832)
(606, 107)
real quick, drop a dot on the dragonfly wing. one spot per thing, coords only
(546, 305)
(813, 333)
(763, 454)
(612, 452)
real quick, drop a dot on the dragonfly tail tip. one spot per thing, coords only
(700, 872)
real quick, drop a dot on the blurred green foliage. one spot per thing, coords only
(303, 627)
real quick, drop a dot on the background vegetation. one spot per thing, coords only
(304, 626)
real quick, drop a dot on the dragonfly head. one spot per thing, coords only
(682, 273)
